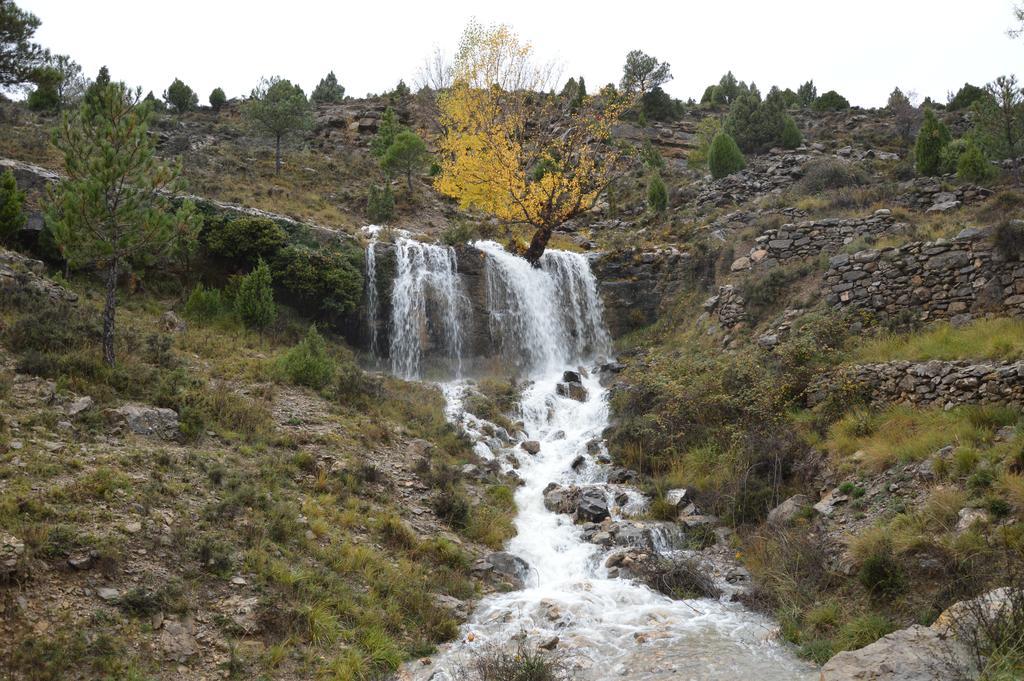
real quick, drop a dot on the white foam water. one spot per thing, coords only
(608, 628)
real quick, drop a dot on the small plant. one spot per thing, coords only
(217, 99)
(458, 233)
(657, 194)
(519, 664)
(973, 164)
(931, 139)
(790, 137)
(255, 302)
(12, 218)
(880, 574)
(204, 304)
(180, 96)
(308, 363)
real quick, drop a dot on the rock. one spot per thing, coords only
(148, 421)
(558, 499)
(618, 475)
(79, 405)
(243, 613)
(578, 463)
(967, 517)
(740, 264)
(549, 643)
(572, 377)
(83, 560)
(108, 594)
(513, 569)
(177, 640)
(962, 617)
(828, 504)
(12, 550)
(133, 527)
(916, 653)
(679, 497)
(531, 446)
(783, 514)
(592, 506)
(943, 207)
(461, 609)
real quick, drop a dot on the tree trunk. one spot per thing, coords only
(108, 313)
(408, 181)
(537, 245)
(277, 157)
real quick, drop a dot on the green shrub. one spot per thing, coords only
(881, 574)
(790, 137)
(255, 301)
(707, 130)
(217, 99)
(204, 304)
(755, 125)
(931, 139)
(243, 239)
(308, 363)
(180, 96)
(650, 157)
(521, 664)
(965, 97)
(657, 194)
(12, 218)
(831, 101)
(380, 204)
(459, 232)
(452, 506)
(822, 174)
(46, 95)
(327, 280)
(724, 157)
(973, 164)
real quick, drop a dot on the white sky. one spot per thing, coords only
(862, 49)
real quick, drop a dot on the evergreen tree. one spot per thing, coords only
(999, 120)
(806, 94)
(328, 91)
(180, 96)
(642, 73)
(831, 101)
(931, 139)
(12, 217)
(46, 95)
(657, 193)
(278, 108)
(724, 157)
(217, 99)
(387, 130)
(973, 165)
(790, 138)
(255, 300)
(401, 90)
(380, 204)
(19, 56)
(965, 97)
(755, 125)
(407, 155)
(112, 207)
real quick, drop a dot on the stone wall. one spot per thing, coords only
(813, 237)
(928, 383)
(633, 283)
(728, 305)
(930, 194)
(957, 279)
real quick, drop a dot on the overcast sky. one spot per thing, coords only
(862, 49)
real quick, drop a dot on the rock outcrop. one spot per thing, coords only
(20, 275)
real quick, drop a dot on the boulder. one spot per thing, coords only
(916, 653)
(531, 446)
(558, 499)
(830, 502)
(573, 390)
(592, 506)
(968, 517)
(147, 421)
(512, 569)
(783, 514)
(78, 405)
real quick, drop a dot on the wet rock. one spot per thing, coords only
(512, 569)
(784, 513)
(574, 391)
(593, 506)
(916, 653)
(578, 463)
(621, 476)
(459, 608)
(531, 446)
(572, 377)
(558, 499)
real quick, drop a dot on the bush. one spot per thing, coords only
(831, 101)
(657, 105)
(828, 173)
(931, 139)
(308, 363)
(707, 130)
(755, 125)
(657, 194)
(46, 95)
(326, 280)
(204, 304)
(380, 204)
(790, 137)
(180, 96)
(243, 239)
(217, 99)
(973, 164)
(12, 218)
(965, 97)
(724, 157)
(1009, 239)
(255, 302)
(881, 574)
(458, 233)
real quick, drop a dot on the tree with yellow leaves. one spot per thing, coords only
(512, 150)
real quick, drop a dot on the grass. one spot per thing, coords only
(982, 339)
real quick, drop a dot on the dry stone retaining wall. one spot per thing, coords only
(957, 279)
(813, 237)
(928, 383)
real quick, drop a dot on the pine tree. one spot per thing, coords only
(724, 156)
(217, 99)
(278, 108)
(255, 301)
(387, 130)
(112, 207)
(931, 139)
(328, 91)
(790, 138)
(657, 193)
(19, 56)
(180, 96)
(407, 155)
(973, 165)
(806, 94)
(12, 218)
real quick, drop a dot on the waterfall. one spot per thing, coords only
(427, 305)
(371, 287)
(543, 318)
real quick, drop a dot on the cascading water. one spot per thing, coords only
(426, 281)
(546, 320)
(372, 303)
